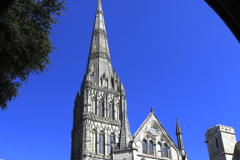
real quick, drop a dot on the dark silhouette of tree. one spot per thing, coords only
(25, 43)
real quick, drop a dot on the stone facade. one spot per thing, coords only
(222, 143)
(100, 123)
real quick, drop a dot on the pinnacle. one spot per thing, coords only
(178, 129)
(152, 110)
(121, 86)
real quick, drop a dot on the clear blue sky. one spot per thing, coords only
(176, 56)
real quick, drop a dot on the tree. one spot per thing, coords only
(25, 43)
(5, 5)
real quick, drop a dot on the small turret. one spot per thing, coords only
(180, 140)
(115, 80)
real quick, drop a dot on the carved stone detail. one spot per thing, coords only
(101, 55)
(99, 12)
(99, 32)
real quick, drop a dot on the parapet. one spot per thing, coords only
(219, 128)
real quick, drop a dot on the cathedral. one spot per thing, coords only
(100, 123)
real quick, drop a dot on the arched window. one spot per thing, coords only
(111, 142)
(100, 108)
(110, 110)
(165, 151)
(93, 106)
(144, 147)
(101, 143)
(159, 153)
(150, 144)
(117, 113)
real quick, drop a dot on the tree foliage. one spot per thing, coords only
(25, 43)
(5, 5)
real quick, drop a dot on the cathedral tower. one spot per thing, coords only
(101, 103)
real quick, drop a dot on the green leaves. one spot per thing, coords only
(25, 43)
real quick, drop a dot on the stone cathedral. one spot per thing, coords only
(100, 123)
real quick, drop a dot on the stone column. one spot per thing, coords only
(106, 142)
(97, 140)
(105, 105)
(97, 102)
(115, 137)
(162, 153)
(154, 150)
(88, 140)
(115, 109)
(89, 101)
(169, 153)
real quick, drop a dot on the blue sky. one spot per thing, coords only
(176, 56)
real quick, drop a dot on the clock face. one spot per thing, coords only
(153, 130)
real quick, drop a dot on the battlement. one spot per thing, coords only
(219, 128)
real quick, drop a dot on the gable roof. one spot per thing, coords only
(146, 121)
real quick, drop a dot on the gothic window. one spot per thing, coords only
(110, 110)
(112, 83)
(144, 147)
(100, 108)
(117, 113)
(93, 106)
(150, 148)
(165, 151)
(111, 142)
(101, 143)
(106, 83)
(153, 130)
(159, 153)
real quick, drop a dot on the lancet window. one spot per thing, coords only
(100, 108)
(110, 110)
(150, 145)
(111, 142)
(117, 113)
(165, 151)
(144, 147)
(101, 143)
(93, 106)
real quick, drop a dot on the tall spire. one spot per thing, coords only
(99, 56)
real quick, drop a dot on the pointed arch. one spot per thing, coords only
(111, 142)
(150, 148)
(144, 147)
(111, 111)
(165, 150)
(101, 143)
(101, 108)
